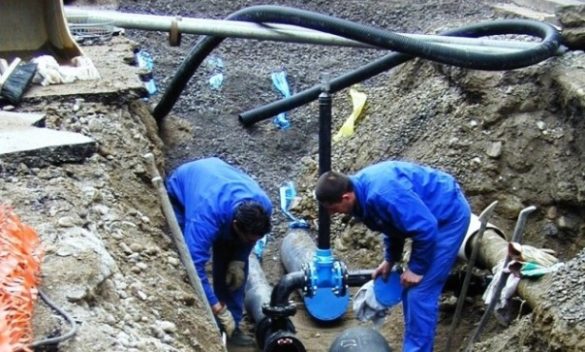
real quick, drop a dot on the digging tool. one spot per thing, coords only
(483, 219)
(41, 28)
(178, 238)
(516, 238)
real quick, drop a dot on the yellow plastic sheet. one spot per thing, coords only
(358, 100)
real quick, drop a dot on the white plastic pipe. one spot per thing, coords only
(276, 32)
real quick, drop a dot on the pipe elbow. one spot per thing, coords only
(286, 286)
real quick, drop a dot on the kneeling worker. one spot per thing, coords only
(224, 211)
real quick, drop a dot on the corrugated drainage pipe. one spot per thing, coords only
(272, 334)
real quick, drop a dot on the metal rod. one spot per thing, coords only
(517, 238)
(177, 236)
(275, 32)
(483, 218)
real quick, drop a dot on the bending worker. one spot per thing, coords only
(221, 210)
(404, 200)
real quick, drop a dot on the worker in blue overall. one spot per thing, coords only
(405, 200)
(224, 211)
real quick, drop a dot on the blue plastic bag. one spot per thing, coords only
(215, 63)
(288, 194)
(260, 246)
(144, 60)
(280, 83)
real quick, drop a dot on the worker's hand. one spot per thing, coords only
(409, 279)
(383, 270)
(235, 276)
(225, 320)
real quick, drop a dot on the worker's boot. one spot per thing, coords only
(240, 339)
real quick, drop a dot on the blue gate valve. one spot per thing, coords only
(326, 295)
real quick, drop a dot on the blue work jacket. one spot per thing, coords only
(401, 200)
(205, 194)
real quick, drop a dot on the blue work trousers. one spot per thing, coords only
(421, 302)
(222, 255)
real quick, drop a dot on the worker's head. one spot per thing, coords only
(334, 191)
(251, 221)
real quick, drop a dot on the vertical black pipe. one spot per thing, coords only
(324, 160)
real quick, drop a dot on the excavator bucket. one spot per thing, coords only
(30, 28)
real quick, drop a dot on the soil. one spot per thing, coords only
(511, 136)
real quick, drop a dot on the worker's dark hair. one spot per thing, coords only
(252, 219)
(331, 186)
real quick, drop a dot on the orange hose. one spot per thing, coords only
(20, 258)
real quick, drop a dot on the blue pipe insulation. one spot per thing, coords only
(273, 333)
(380, 38)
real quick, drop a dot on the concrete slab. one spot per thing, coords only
(22, 142)
(572, 85)
(525, 13)
(10, 120)
(548, 6)
(112, 60)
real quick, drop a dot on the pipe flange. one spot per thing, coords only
(343, 272)
(174, 33)
(275, 312)
(308, 288)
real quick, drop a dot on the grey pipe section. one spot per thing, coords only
(360, 338)
(257, 290)
(278, 32)
(272, 335)
(297, 248)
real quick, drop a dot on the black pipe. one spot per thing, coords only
(421, 48)
(250, 117)
(287, 284)
(323, 240)
(377, 37)
(360, 74)
(359, 277)
(272, 334)
(360, 339)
